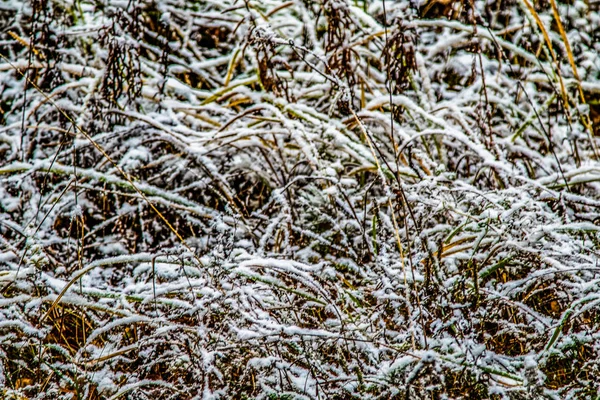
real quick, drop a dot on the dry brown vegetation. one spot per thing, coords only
(321, 199)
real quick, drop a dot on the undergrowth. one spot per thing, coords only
(316, 199)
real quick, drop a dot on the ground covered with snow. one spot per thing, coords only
(311, 199)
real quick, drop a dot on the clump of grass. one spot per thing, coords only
(321, 199)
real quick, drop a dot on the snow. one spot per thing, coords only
(245, 235)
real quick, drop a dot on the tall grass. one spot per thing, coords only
(320, 199)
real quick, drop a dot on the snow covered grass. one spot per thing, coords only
(322, 199)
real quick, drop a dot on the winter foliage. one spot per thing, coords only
(311, 199)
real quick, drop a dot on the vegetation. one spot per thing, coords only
(311, 199)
